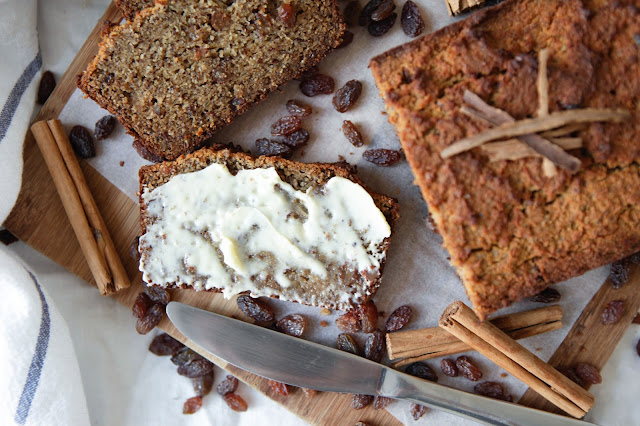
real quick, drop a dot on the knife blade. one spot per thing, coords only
(298, 362)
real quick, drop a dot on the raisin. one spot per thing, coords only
(279, 388)
(352, 133)
(82, 142)
(638, 347)
(104, 127)
(347, 95)
(374, 346)
(192, 405)
(367, 11)
(448, 368)
(318, 84)
(383, 10)
(286, 125)
(196, 368)
(141, 305)
(185, 356)
(422, 371)
(47, 84)
(571, 374)
(272, 148)
(492, 390)
(381, 402)
(235, 402)
(257, 309)
(379, 28)
(145, 153)
(133, 249)
(348, 322)
(399, 318)
(368, 314)
(359, 401)
(158, 294)
(220, 19)
(228, 385)
(411, 20)
(287, 14)
(619, 273)
(202, 385)
(417, 411)
(588, 373)
(296, 139)
(382, 157)
(548, 295)
(351, 12)
(346, 343)
(468, 368)
(7, 237)
(293, 325)
(347, 38)
(309, 393)
(151, 319)
(613, 312)
(163, 344)
(298, 108)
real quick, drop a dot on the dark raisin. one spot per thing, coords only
(638, 347)
(296, 139)
(347, 95)
(417, 411)
(368, 314)
(7, 237)
(279, 388)
(619, 273)
(634, 258)
(359, 401)
(298, 108)
(588, 373)
(220, 19)
(145, 153)
(383, 10)
(82, 142)
(348, 322)
(235, 402)
(613, 312)
(163, 344)
(382, 157)
(133, 249)
(352, 133)
(367, 11)
(196, 368)
(293, 325)
(257, 309)
(492, 390)
(374, 346)
(448, 368)
(571, 374)
(141, 305)
(411, 19)
(192, 405)
(347, 38)
(351, 12)
(104, 127)
(47, 84)
(286, 125)
(381, 402)
(185, 356)
(548, 295)
(151, 319)
(318, 84)
(468, 368)
(399, 318)
(379, 28)
(421, 370)
(272, 148)
(287, 14)
(228, 385)
(158, 294)
(346, 343)
(309, 393)
(202, 385)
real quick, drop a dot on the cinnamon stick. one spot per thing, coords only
(513, 149)
(548, 168)
(459, 320)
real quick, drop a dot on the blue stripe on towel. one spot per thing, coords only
(9, 108)
(35, 370)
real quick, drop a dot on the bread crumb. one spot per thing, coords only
(503, 375)
(323, 323)
(121, 163)
(325, 311)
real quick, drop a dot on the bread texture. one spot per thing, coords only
(182, 70)
(129, 8)
(511, 231)
(301, 176)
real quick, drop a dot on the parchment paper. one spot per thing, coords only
(417, 271)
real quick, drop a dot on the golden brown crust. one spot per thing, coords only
(509, 230)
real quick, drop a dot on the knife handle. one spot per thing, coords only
(474, 407)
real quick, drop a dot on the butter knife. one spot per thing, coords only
(298, 362)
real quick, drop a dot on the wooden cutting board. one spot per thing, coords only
(39, 220)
